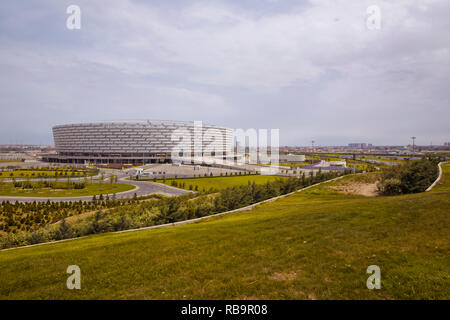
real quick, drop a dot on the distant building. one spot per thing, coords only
(324, 163)
(446, 144)
(328, 166)
(358, 145)
(287, 158)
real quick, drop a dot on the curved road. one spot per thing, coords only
(143, 188)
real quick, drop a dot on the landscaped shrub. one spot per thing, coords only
(390, 186)
(413, 177)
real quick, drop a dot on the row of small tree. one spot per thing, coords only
(17, 216)
(164, 210)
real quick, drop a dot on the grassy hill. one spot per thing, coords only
(311, 245)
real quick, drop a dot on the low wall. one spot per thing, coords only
(438, 178)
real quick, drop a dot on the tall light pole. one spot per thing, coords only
(312, 147)
(413, 139)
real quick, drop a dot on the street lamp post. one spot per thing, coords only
(413, 139)
(312, 145)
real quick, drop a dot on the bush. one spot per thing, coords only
(390, 186)
(413, 177)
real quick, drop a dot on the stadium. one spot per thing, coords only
(137, 142)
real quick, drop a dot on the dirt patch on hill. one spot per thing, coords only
(90, 213)
(284, 276)
(81, 216)
(364, 189)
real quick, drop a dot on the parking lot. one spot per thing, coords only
(184, 170)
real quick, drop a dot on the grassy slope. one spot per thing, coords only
(219, 183)
(444, 183)
(308, 245)
(7, 189)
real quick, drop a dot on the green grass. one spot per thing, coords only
(443, 184)
(297, 164)
(7, 189)
(41, 173)
(219, 183)
(307, 245)
(402, 161)
(8, 161)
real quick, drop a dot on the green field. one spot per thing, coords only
(310, 245)
(7, 189)
(385, 159)
(298, 164)
(10, 161)
(42, 173)
(219, 183)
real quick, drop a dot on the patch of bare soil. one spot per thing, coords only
(284, 276)
(253, 298)
(149, 199)
(364, 189)
(81, 216)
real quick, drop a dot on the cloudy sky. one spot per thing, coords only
(312, 68)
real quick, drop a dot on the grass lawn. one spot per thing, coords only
(298, 164)
(386, 159)
(7, 189)
(219, 183)
(41, 173)
(8, 161)
(310, 245)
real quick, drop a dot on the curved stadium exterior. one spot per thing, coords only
(133, 142)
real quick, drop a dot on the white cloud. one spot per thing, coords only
(221, 62)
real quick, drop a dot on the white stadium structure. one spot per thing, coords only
(138, 142)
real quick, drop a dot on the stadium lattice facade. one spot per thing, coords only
(137, 142)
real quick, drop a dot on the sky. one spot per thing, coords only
(313, 69)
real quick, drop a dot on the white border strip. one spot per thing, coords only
(438, 178)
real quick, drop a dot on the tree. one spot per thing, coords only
(390, 186)
(64, 230)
